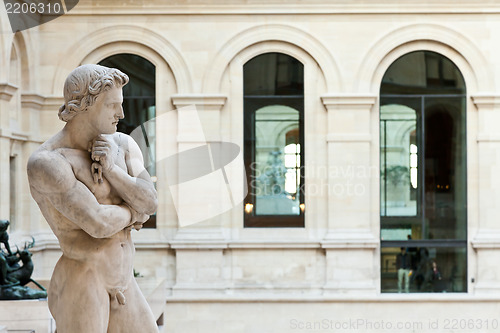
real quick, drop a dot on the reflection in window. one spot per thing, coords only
(430, 269)
(138, 105)
(423, 173)
(273, 108)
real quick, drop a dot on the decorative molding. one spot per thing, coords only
(32, 100)
(259, 244)
(18, 136)
(350, 239)
(349, 287)
(486, 239)
(409, 37)
(54, 101)
(7, 90)
(208, 102)
(486, 100)
(198, 245)
(335, 297)
(488, 138)
(151, 41)
(291, 8)
(347, 101)
(144, 244)
(269, 37)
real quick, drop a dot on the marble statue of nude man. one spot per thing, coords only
(92, 188)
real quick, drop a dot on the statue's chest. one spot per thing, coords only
(81, 163)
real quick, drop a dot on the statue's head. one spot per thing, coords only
(84, 84)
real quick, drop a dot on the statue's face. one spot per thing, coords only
(107, 111)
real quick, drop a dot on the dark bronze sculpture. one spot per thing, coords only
(13, 276)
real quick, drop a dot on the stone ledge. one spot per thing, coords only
(291, 8)
(210, 101)
(486, 100)
(486, 239)
(7, 90)
(332, 298)
(32, 100)
(348, 101)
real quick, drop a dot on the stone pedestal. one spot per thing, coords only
(26, 316)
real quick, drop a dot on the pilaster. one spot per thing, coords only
(350, 242)
(486, 242)
(200, 196)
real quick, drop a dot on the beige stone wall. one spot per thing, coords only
(199, 49)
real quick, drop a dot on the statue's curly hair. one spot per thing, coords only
(84, 84)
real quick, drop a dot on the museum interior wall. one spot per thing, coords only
(349, 145)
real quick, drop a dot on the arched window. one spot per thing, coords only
(138, 105)
(423, 175)
(274, 137)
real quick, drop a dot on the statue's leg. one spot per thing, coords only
(135, 316)
(78, 301)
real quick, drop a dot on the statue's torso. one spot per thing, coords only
(111, 258)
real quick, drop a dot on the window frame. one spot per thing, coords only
(421, 195)
(251, 104)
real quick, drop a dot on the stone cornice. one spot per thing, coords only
(486, 239)
(53, 101)
(207, 101)
(361, 102)
(32, 100)
(486, 100)
(7, 90)
(350, 239)
(352, 7)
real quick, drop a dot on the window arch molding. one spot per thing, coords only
(151, 43)
(21, 50)
(245, 42)
(449, 43)
(111, 49)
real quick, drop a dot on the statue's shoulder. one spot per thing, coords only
(123, 141)
(119, 138)
(48, 168)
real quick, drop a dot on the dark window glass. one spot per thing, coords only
(274, 149)
(423, 168)
(138, 105)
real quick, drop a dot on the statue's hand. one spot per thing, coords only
(137, 219)
(100, 150)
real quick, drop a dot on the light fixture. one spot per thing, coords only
(302, 207)
(248, 208)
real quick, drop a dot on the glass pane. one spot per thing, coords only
(432, 269)
(273, 74)
(274, 170)
(445, 168)
(399, 157)
(422, 72)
